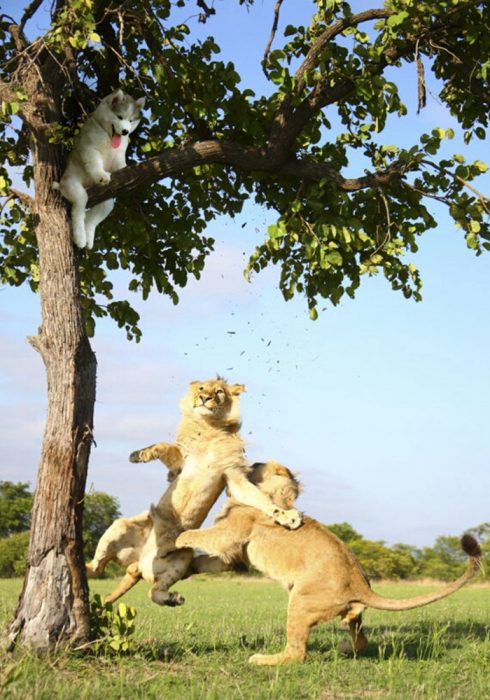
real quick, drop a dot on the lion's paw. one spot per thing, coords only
(272, 659)
(184, 540)
(170, 598)
(138, 456)
(292, 519)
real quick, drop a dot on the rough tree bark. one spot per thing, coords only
(53, 606)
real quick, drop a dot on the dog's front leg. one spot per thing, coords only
(94, 166)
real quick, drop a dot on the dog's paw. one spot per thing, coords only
(104, 178)
(79, 239)
(292, 519)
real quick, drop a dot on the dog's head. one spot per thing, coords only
(277, 482)
(119, 113)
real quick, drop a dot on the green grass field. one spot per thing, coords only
(201, 649)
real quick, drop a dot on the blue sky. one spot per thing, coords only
(381, 405)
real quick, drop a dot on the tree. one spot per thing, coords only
(211, 144)
(15, 507)
(345, 532)
(100, 510)
(13, 554)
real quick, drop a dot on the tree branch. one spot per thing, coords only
(277, 10)
(483, 199)
(329, 34)
(289, 121)
(29, 12)
(23, 197)
(175, 161)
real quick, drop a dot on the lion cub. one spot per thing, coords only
(323, 577)
(209, 453)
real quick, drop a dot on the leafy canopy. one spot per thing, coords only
(210, 143)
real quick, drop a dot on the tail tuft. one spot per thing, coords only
(470, 546)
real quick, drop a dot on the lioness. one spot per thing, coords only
(209, 453)
(323, 577)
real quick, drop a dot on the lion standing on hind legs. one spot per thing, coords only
(322, 576)
(209, 453)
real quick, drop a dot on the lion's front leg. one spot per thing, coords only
(166, 452)
(243, 491)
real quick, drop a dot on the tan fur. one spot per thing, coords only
(210, 453)
(323, 577)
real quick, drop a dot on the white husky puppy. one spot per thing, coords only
(99, 149)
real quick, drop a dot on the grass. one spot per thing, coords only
(200, 651)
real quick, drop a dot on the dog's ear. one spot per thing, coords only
(237, 389)
(141, 102)
(117, 97)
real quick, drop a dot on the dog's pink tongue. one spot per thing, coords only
(116, 141)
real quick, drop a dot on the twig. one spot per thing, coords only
(388, 220)
(21, 196)
(421, 93)
(277, 10)
(482, 198)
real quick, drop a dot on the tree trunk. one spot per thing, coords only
(53, 606)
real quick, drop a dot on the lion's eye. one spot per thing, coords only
(220, 391)
(201, 388)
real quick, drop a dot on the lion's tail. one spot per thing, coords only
(469, 545)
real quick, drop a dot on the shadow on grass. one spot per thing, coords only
(416, 642)
(422, 641)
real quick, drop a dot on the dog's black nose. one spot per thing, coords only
(125, 132)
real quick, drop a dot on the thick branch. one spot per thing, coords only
(175, 161)
(329, 34)
(290, 121)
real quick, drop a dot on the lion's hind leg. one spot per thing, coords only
(225, 539)
(168, 570)
(304, 612)
(130, 579)
(358, 641)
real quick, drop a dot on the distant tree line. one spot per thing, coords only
(15, 520)
(444, 560)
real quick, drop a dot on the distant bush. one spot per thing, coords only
(13, 554)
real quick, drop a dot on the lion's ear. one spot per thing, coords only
(237, 389)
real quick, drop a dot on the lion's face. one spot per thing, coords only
(277, 482)
(213, 397)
